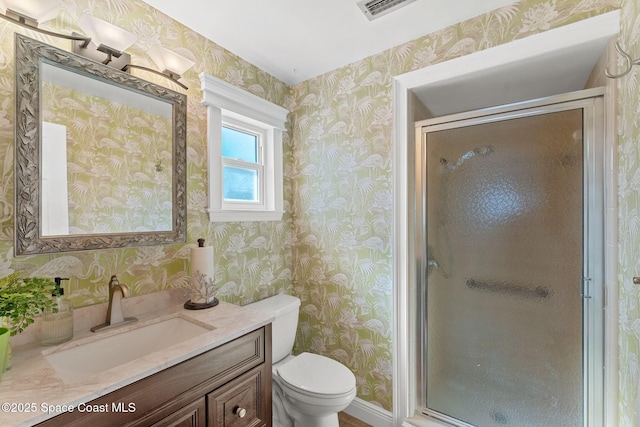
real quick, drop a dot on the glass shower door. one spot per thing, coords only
(503, 204)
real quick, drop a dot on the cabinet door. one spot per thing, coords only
(241, 402)
(192, 415)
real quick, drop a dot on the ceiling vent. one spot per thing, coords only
(373, 9)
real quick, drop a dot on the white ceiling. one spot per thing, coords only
(295, 40)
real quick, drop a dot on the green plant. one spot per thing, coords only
(23, 298)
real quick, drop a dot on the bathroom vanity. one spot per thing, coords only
(222, 377)
(228, 385)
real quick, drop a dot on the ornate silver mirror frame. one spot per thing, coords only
(30, 56)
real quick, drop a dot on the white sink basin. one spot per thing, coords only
(76, 363)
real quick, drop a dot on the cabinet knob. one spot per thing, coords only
(240, 412)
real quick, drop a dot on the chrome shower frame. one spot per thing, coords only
(591, 101)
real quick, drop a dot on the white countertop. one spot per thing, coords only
(32, 391)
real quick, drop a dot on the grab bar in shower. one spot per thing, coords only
(509, 289)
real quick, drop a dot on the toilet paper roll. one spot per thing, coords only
(202, 274)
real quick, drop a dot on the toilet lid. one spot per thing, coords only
(317, 374)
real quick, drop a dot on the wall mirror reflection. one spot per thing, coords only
(100, 155)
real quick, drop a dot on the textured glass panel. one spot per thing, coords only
(239, 145)
(240, 184)
(504, 237)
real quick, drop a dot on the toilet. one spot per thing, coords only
(308, 389)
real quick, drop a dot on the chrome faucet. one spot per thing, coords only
(115, 316)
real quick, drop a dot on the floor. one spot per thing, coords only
(347, 420)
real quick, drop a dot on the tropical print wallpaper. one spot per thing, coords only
(629, 220)
(333, 246)
(118, 162)
(253, 260)
(342, 126)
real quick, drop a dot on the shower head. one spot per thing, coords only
(478, 151)
(483, 151)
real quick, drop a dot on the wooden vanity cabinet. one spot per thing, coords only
(238, 403)
(192, 415)
(228, 386)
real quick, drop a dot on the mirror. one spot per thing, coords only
(100, 155)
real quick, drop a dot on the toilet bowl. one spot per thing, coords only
(308, 389)
(315, 389)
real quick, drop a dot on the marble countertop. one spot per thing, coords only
(32, 391)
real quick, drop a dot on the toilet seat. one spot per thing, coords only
(316, 375)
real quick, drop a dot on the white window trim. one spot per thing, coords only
(225, 101)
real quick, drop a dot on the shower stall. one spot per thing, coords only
(508, 237)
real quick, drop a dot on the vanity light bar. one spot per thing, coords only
(104, 33)
(32, 24)
(103, 54)
(30, 12)
(173, 78)
(169, 62)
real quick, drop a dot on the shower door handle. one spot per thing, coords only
(584, 292)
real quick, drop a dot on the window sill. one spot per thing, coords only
(244, 216)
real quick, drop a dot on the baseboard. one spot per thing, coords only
(370, 413)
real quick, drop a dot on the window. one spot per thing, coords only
(245, 153)
(242, 164)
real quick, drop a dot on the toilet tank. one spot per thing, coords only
(285, 309)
